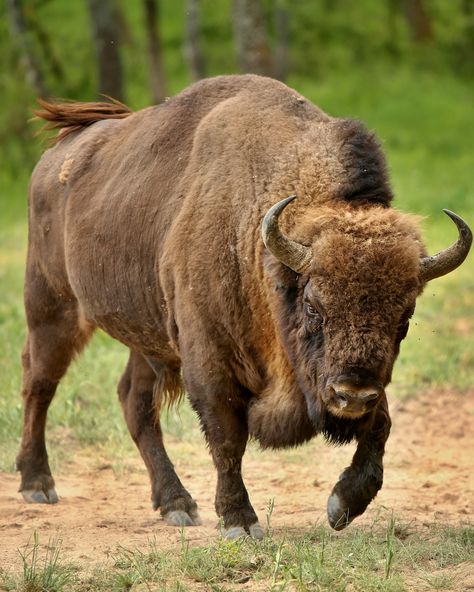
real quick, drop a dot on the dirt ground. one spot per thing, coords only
(428, 479)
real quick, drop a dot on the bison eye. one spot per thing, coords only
(314, 318)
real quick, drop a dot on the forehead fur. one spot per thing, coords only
(384, 224)
(366, 250)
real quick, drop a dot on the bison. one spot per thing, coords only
(170, 229)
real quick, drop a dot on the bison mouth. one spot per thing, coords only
(350, 414)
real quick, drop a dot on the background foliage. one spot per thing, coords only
(326, 40)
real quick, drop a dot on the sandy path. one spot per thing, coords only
(428, 478)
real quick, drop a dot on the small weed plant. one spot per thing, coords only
(43, 570)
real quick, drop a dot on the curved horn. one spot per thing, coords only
(292, 254)
(447, 260)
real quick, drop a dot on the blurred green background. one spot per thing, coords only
(405, 67)
(347, 55)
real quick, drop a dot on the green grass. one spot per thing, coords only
(390, 558)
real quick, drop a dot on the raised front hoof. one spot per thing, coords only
(338, 513)
(182, 518)
(38, 496)
(255, 531)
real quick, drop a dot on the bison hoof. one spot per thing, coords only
(255, 531)
(338, 513)
(182, 518)
(235, 532)
(38, 496)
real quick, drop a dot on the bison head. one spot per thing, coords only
(348, 294)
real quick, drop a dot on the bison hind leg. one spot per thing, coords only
(56, 333)
(145, 385)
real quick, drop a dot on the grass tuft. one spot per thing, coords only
(389, 543)
(42, 570)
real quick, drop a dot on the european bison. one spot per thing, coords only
(149, 225)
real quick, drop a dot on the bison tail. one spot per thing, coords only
(70, 117)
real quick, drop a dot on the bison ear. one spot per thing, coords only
(292, 254)
(281, 277)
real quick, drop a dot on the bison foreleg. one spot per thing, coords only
(361, 481)
(226, 431)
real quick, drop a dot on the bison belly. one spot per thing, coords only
(113, 273)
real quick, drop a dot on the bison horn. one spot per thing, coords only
(292, 254)
(447, 260)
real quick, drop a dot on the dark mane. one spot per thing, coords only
(367, 177)
(72, 116)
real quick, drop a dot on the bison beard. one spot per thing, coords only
(149, 224)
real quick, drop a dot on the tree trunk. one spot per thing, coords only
(253, 51)
(26, 47)
(418, 20)
(105, 32)
(281, 43)
(155, 53)
(192, 47)
(50, 59)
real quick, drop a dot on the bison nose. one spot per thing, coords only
(346, 397)
(353, 401)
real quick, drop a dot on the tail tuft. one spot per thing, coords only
(72, 116)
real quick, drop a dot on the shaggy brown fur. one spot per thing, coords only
(148, 226)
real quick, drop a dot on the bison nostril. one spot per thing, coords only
(342, 399)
